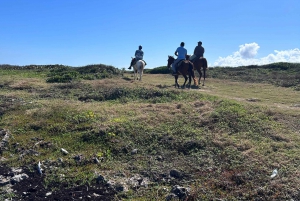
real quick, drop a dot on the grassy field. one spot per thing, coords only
(222, 140)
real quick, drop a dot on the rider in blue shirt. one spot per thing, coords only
(139, 54)
(181, 53)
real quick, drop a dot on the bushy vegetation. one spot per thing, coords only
(280, 74)
(158, 70)
(63, 74)
(221, 149)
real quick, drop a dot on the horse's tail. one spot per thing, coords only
(195, 81)
(192, 73)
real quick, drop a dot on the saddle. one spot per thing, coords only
(134, 61)
(179, 63)
(193, 58)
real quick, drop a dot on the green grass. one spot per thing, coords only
(225, 146)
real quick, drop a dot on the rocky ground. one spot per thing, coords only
(28, 185)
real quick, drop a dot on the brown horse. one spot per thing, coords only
(184, 70)
(201, 64)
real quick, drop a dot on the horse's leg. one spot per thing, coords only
(199, 72)
(192, 75)
(200, 75)
(176, 81)
(142, 71)
(204, 75)
(185, 80)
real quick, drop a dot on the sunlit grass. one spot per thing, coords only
(213, 134)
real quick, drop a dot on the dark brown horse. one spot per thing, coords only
(201, 64)
(183, 69)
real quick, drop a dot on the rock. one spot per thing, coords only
(18, 178)
(171, 196)
(175, 173)
(3, 181)
(118, 186)
(64, 151)
(180, 192)
(134, 151)
(159, 158)
(100, 179)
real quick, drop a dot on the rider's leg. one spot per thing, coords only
(174, 67)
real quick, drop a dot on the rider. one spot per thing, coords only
(198, 52)
(181, 53)
(138, 55)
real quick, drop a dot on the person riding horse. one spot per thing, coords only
(139, 54)
(181, 53)
(198, 52)
(199, 62)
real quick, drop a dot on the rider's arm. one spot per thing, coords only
(195, 50)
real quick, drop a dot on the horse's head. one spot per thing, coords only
(170, 61)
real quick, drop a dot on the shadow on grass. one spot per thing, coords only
(127, 79)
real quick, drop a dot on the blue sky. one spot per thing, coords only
(82, 32)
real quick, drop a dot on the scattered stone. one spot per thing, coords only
(96, 160)
(64, 151)
(134, 151)
(175, 173)
(118, 186)
(159, 158)
(3, 181)
(180, 192)
(17, 178)
(78, 158)
(96, 195)
(171, 196)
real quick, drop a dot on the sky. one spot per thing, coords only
(84, 32)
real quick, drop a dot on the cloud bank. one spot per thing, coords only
(247, 52)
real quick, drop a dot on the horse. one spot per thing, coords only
(198, 64)
(138, 68)
(183, 69)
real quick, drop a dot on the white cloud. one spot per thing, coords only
(248, 51)
(245, 56)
